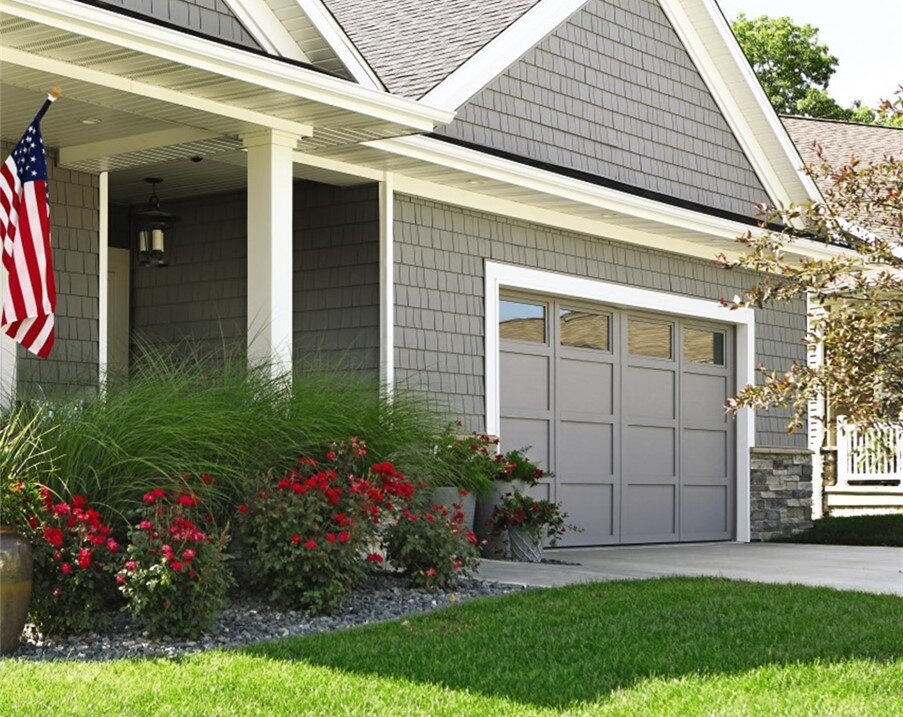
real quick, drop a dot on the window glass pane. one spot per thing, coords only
(584, 330)
(522, 322)
(701, 346)
(649, 338)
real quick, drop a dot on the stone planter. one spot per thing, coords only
(15, 587)
(494, 546)
(449, 497)
(526, 543)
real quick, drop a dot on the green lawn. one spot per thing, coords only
(678, 646)
(854, 530)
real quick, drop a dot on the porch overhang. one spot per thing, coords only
(169, 94)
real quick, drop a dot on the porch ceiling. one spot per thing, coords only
(140, 79)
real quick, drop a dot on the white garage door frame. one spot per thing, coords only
(500, 276)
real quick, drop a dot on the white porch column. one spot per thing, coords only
(387, 283)
(270, 249)
(103, 278)
(7, 357)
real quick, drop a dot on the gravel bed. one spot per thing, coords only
(248, 620)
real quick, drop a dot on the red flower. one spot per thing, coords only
(296, 538)
(310, 544)
(79, 501)
(187, 499)
(188, 555)
(145, 525)
(242, 508)
(192, 575)
(61, 509)
(66, 568)
(284, 484)
(330, 455)
(456, 564)
(84, 558)
(54, 536)
(131, 566)
(375, 558)
(344, 536)
(431, 572)
(154, 495)
(471, 537)
(206, 478)
(176, 566)
(120, 579)
(112, 545)
(330, 538)
(341, 519)
(463, 492)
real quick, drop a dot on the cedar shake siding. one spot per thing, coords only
(201, 298)
(440, 252)
(612, 92)
(206, 17)
(74, 236)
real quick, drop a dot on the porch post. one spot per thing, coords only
(7, 358)
(270, 249)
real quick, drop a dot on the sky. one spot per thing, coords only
(866, 36)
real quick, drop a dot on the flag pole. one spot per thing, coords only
(52, 97)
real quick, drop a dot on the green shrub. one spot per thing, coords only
(432, 546)
(175, 574)
(23, 464)
(73, 556)
(308, 531)
(468, 462)
(203, 414)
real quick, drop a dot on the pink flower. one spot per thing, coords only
(188, 555)
(330, 455)
(120, 579)
(61, 509)
(66, 568)
(431, 572)
(131, 566)
(112, 545)
(145, 525)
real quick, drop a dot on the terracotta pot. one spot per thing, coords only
(494, 546)
(448, 497)
(15, 587)
(526, 543)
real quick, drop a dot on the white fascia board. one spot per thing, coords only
(265, 27)
(498, 275)
(501, 52)
(481, 164)
(340, 43)
(226, 61)
(727, 73)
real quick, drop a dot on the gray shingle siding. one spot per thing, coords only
(439, 260)
(613, 92)
(209, 17)
(202, 296)
(74, 235)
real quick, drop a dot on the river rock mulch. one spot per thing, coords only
(248, 619)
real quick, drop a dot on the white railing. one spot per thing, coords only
(869, 458)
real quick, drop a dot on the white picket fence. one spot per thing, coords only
(869, 479)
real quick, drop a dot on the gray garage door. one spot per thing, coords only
(627, 410)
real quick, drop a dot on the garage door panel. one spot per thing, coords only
(591, 507)
(585, 451)
(586, 386)
(704, 454)
(648, 513)
(525, 382)
(702, 398)
(649, 392)
(705, 512)
(648, 452)
(530, 433)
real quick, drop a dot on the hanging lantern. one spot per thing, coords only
(154, 229)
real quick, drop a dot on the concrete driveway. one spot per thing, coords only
(875, 570)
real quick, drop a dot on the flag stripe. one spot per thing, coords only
(29, 301)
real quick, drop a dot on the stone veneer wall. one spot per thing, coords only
(780, 486)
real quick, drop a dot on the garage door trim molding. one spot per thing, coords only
(509, 276)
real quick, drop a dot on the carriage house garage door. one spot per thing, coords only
(626, 409)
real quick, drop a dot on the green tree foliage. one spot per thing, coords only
(795, 69)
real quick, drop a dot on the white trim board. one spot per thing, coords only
(387, 283)
(265, 27)
(499, 54)
(103, 276)
(499, 275)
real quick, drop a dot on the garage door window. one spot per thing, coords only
(585, 330)
(649, 338)
(521, 321)
(701, 346)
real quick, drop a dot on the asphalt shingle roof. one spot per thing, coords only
(412, 45)
(840, 140)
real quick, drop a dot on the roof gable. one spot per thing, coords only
(612, 92)
(413, 45)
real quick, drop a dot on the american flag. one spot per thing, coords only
(29, 301)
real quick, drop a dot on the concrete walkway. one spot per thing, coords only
(875, 570)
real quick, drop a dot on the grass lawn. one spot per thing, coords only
(854, 530)
(677, 646)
